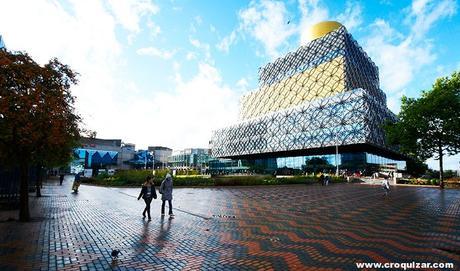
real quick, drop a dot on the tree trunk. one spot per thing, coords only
(441, 171)
(24, 214)
(38, 182)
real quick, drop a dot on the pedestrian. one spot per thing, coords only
(76, 183)
(386, 186)
(166, 189)
(321, 179)
(148, 193)
(326, 179)
(61, 178)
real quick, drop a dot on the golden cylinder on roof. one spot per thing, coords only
(323, 28)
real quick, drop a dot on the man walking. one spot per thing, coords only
(61, 178)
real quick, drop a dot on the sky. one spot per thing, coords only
(170, 72)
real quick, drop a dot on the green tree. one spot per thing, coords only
(416, 167)
(317, 164)
(430, 125)
(38, 123)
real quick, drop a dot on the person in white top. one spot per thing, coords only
(386, 186)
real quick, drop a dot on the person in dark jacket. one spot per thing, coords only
(321, 179)
(76, 183)
(166, 189)
(147, 193)
(61, 178)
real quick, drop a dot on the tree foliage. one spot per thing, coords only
(429, 126)
(38, 123)
(316, 164)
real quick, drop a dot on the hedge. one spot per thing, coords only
(136, 178)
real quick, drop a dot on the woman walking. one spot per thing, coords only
(147, 193)
(166, 189)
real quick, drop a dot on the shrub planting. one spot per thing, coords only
(135, 178)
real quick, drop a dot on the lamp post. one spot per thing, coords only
(336, 154)
(336, 159)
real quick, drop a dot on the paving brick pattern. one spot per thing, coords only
(242, 228)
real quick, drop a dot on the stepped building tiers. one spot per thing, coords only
(322, 100)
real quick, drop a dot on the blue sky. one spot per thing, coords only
(170, 72)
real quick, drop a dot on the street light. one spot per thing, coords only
(336, 154)
(336, 159)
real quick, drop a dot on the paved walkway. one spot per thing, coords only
(249, 228)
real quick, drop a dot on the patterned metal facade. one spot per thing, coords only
(324, 94)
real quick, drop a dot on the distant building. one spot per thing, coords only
(161, 156)
(142, 159)
(98, 143)
(128, 150)
(97, 153)
(190, 159)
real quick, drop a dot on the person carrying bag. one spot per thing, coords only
(166, 189)
(148, 193)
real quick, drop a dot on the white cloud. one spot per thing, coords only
(198, 20)
(191, 56)
(192, 28)
(424, 13)
(155, 52)
(196, 43)
(352, 16)
(242, 83)
(204, 47)
(388, 52)
(400, 56)
(176, 66)
(193, 110)
(267, 21)
(177, 78)
(212, 28)
(85, 39)
(312, 13)
(83, 36)
(226, 42)
(129, 12)
(394, 100)
(154, 28)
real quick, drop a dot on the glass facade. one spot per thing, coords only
(162, 155)
(227, 166)
(347, 162)
(189, 158)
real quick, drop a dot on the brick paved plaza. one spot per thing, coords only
(250, 228)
